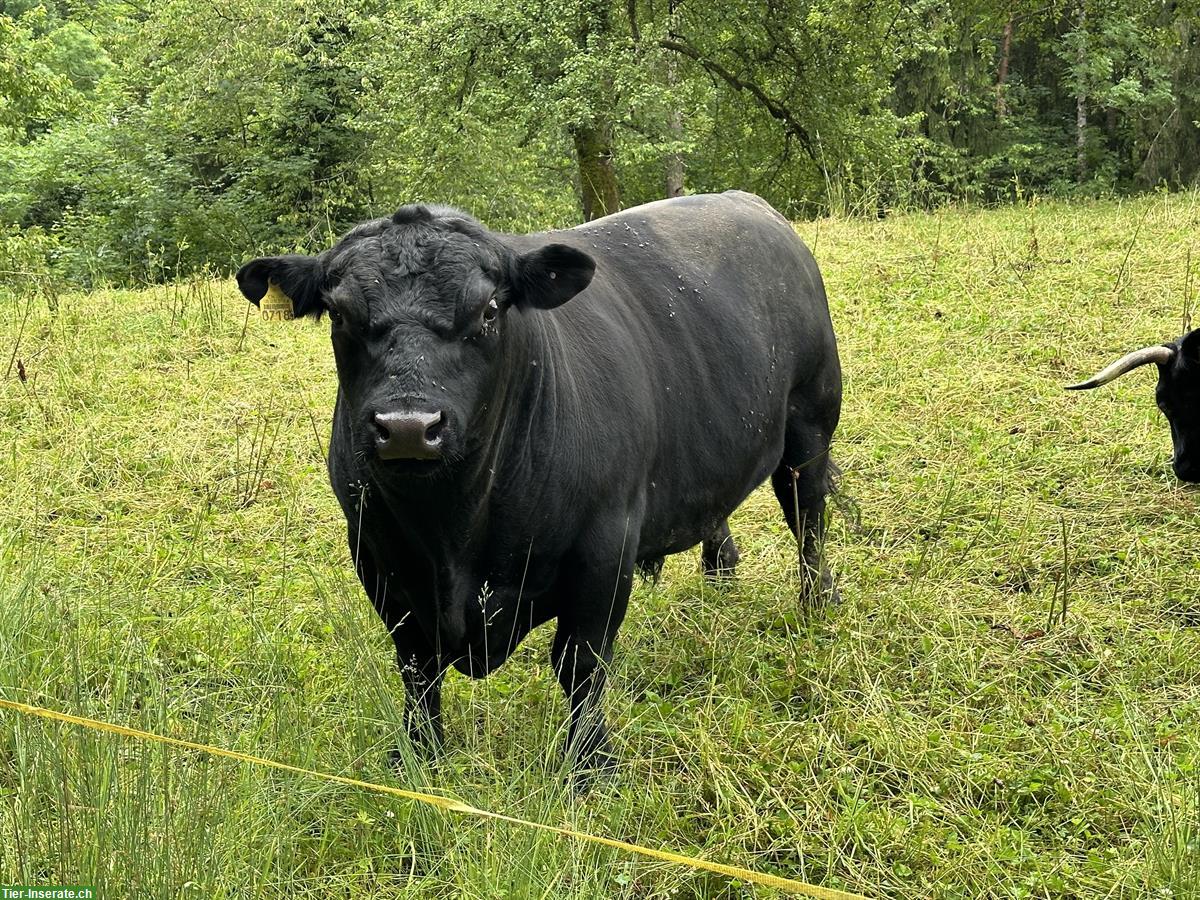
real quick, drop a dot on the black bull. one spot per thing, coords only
(504, 457)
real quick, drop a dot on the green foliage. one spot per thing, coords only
(153, 141)
(31, 91)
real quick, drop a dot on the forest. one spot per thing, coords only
(141, 142)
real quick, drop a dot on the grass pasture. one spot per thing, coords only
(1006, 703)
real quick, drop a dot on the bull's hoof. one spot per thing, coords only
(588, 765)
(720, 562)
(600, 765)
(816, 594)
(400, 758)
(425, 743)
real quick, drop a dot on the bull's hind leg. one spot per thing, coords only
(719, 554)
(801, 481)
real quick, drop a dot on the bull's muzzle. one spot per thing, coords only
(409, 435)
(1187, 469)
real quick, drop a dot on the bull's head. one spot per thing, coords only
(1178, 394)
(418, 306)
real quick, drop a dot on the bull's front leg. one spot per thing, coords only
(422, 672)
(420, 667)
(583, 646)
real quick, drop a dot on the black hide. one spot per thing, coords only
(601, 397)
(1178, 396)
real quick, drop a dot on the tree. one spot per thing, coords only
(592, 129)
(142, 141)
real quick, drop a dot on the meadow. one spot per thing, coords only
(1005, 704)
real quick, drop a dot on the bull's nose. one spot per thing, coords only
(409, 435)
(1187, 470)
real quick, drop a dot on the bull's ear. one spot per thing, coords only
(299, 277)
(552, 275)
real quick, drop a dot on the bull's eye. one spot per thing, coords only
(491, 311)
(334, 316)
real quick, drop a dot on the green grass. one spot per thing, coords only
(171, 558)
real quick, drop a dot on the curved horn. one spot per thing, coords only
(1159, 354)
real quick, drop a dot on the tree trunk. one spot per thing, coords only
(675, 130)
(1081, 118)
(593, 138)
(597, 179)
(1002, 75)
(675, 115)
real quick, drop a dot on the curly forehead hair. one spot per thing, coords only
(411, 241)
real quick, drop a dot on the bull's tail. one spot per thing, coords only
(650, 569)
(833, 476)
(842, 502)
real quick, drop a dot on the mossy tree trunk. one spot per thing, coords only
(598, 189)
(593, 136)
(1081, 116)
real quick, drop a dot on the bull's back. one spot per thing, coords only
(705, 316)
(717, 273)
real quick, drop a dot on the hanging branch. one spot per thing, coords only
(776, 109)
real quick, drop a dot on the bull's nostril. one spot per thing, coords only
(382, 434)
(434, 429)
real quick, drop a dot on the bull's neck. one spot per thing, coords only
(450, 516)
(512, 433)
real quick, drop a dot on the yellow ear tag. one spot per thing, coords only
(276, 306)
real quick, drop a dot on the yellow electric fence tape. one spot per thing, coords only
(449, 804)
(275, 304)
